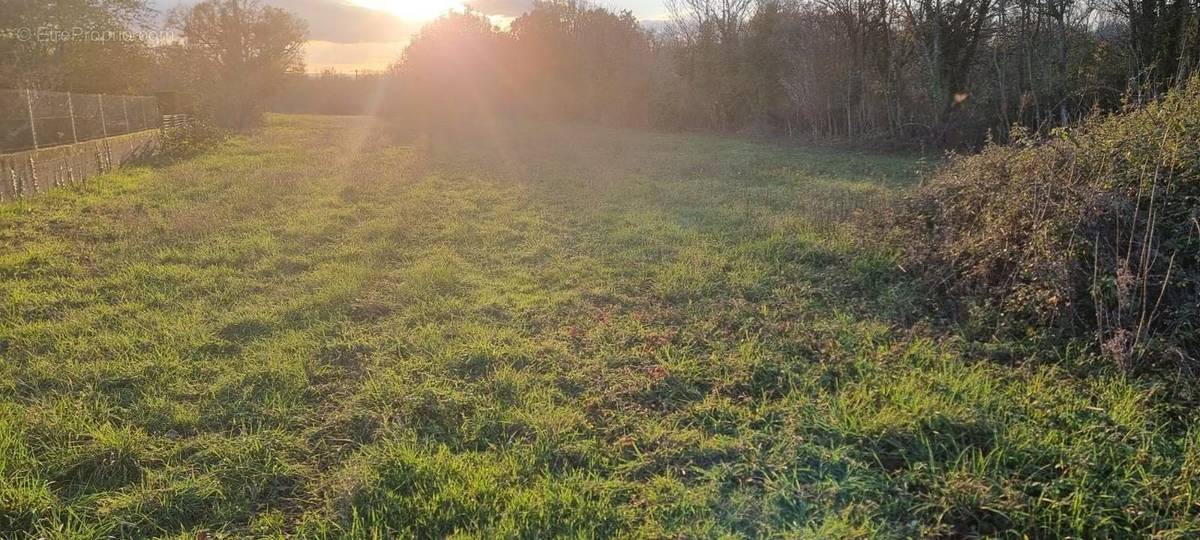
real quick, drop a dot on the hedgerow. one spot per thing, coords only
(1093, 233)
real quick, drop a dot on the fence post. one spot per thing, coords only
(125, 111)
(32, 123)
(103, 127)
(71, 111)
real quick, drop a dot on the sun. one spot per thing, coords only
(412, 10)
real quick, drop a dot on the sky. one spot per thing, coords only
(350, 35)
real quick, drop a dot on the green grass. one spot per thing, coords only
(326, 330)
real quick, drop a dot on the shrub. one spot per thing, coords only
(1094, 233)
(189, 141)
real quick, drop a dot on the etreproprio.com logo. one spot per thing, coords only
(54, 34)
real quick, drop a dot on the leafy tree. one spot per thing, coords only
(237, 53)
(76, 45)
(452, 73)
(581, 62)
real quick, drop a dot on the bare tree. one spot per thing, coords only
(948, 34)
(1165, 38)
(689, 17)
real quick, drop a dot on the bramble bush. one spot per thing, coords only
(1093, 233)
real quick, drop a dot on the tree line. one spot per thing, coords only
(938, 72)
(943, 72)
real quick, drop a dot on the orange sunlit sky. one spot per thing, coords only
(349, 35)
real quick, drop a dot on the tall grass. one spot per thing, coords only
(324, 332)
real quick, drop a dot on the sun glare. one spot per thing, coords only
(412, 10)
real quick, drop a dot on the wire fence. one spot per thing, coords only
(32, 119)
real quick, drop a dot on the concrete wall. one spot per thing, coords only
(25, 174)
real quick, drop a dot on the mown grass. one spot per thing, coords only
(329, 330)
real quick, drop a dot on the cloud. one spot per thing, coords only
(334, 21)
(508, 8)
(338, 22)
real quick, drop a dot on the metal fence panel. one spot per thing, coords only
(150, 110)
(114, 115)
(51, 118)
(88, 123)
(31, 119)
(14, 121)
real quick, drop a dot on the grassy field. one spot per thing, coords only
(328, 329)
